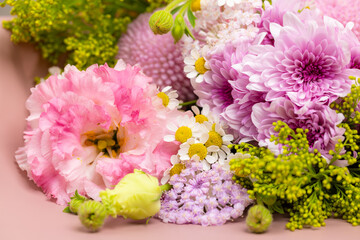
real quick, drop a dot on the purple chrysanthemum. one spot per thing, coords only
(157, 55)
(308, 62)
(203, 197)
(320, 120)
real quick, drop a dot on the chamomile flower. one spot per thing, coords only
(195, 149)
(176, 167)
(169, 97)
(196, 64)
(219, 141)
(204, 115)
(184, 128)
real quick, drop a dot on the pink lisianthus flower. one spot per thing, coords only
(308, 63)
(88, 129)
(319, 119)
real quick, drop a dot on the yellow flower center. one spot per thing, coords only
(195, 5)
(165, 98)
(198, 149)
(201, 118)
(214, 139)
(183, 134)
(177, 168)
(200, 65)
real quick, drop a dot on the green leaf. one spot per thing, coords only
(175, 10)
(277, 207)
(188, 33)
(67, 210)
(191, 17)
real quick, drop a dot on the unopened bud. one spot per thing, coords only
(161, 22)
(92, 215)
(179, 28)
(258, 219)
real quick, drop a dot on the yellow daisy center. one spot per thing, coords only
(183, 134)
(165, 98)
(195, 5)
(198, 149)
(177, 168)
(214, 139)
(200, 65)
(201, 118)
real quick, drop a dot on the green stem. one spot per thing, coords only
(173, 4)
(165, 187)
(193, 102)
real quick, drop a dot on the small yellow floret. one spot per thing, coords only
(198, 149)
(165, 98)
(201, 118)
(200, 65)
(177, 168)
(183, 134)
(195, 5)
(214, 139)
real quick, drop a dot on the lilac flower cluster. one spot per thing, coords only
(298, 64)
(203, 197)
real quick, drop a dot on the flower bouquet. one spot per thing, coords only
(195, 111)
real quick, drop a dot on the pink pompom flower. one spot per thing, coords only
(88, 129)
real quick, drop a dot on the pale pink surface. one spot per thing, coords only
(26, 214)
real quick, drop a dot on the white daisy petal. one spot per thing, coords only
(225, 149)
(192, 74)
(169, 138)
(195, 109)
(213, 148)
(228, 137)
(210, 159)
(165, 179)
(206, 165)
(189, 61)
(204, 137)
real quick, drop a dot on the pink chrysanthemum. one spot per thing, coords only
(313, 66)
(342, 10)
(88, 129)
(225, 91)
(320, 120)
(157, 55)
(274, 13)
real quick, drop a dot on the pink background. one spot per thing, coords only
(25, 213)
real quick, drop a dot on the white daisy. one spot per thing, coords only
(196, 64)
(176, 167)
(196, 150)
(219, 141)
(205, 115)
(183, 128)
(169, 98)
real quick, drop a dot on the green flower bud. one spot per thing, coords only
(136, 196)
(179, 28)
(161, 22)
(76, 201)
(92, 215)
(258, 219)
